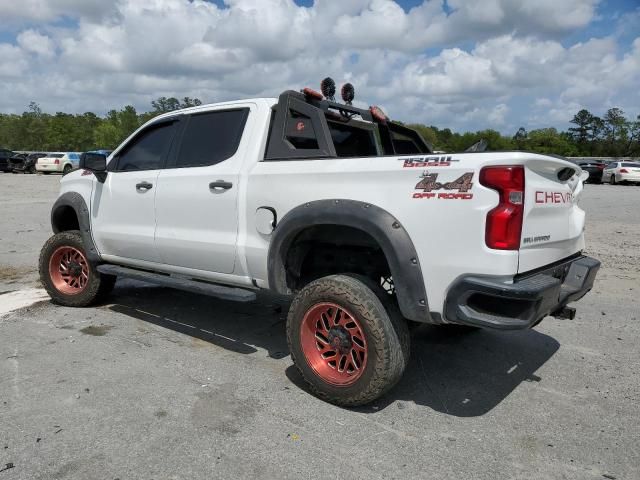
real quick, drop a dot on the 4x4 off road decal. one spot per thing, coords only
(424, 162)
(429, 185)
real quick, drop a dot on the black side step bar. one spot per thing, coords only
(180, 283)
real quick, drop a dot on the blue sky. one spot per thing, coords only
(465, 64)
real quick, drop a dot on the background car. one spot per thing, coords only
(5, 155)
(594, 168)
(618, 172)
(60, 162)
(26, 163)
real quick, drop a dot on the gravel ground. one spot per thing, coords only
(160, 384)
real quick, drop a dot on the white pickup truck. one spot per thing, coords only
(343, 210)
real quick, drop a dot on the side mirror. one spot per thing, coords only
(96, 163)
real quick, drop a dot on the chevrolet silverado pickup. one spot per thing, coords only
(346, 212)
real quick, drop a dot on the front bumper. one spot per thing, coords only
(492, 303)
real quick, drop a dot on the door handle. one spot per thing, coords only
(144, 186)
(220, 184)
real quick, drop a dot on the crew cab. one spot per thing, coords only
(349, 214)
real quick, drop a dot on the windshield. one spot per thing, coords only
(56, 155)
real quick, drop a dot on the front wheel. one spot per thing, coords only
(346, 345)
(66, 274)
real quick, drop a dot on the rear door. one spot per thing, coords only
(123, 207)
(553, 226)
(197, 195)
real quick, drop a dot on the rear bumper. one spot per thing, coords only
(629, 177)
(492, 303)
(48, 168)
(595, 175)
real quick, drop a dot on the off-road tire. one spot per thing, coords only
(386, 333)
(97, 286)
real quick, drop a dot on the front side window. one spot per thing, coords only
(147, 150)
(211, 137)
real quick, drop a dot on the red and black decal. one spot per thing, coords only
(429, 185)
(424, 162)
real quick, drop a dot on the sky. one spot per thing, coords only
(462, 64)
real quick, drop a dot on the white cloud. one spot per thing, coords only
(495, 54)
(34, 42)
(13, 63)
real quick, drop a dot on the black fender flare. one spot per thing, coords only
(77, 203)
(383, 227)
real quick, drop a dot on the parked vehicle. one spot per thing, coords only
(26, 163)
(5, 164)
(59, 162)
(594, 168)
(621, 172)
(325, 203)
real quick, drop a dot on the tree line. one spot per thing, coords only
(35, 130)
(611, 135)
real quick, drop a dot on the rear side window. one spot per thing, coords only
(147, 150)
(351, 141)
(211, 137)
(631, 165)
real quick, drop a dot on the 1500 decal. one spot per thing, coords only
(429, 184)
(424, 162)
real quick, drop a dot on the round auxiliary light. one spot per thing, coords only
(328, 88)
(348, 93)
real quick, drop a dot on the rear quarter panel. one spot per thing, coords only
(447, 226)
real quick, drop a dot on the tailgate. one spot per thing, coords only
(553, 226)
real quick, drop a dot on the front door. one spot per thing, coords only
(123, 207)
(197, 195)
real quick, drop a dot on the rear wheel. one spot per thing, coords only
(346, 345)
(67, 168)
(66, 274)
(612, 179)
(32, 169)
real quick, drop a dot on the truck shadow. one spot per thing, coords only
(468, 373)
(239, 327)
(456, 372)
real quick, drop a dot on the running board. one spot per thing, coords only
(180, 283)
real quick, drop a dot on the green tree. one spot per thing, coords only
(583, 120)
(520, 138)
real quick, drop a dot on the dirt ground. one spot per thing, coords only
(160, 384)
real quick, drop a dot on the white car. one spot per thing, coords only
(618, 172)
(59, 162)
(349, 214)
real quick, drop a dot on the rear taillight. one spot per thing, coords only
(624, 170)
(57, 161)
(504, 222)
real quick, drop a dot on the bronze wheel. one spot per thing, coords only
(333, 343)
